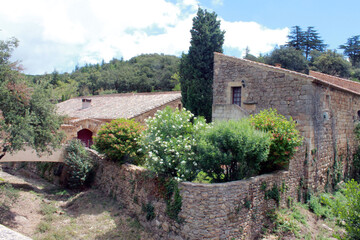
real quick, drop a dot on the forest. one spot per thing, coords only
(143, 73)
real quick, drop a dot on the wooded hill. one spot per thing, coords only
(144, 73)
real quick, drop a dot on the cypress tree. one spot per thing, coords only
(196, 67)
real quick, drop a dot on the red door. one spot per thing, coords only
(85, 135)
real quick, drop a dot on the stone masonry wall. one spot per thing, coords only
(209, 211)
(334, 118)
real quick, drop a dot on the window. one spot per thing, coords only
(236, 95)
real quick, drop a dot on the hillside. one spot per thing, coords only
(144, 73)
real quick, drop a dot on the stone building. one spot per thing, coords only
(85, 115)
(326, 109)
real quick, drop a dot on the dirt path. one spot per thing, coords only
(40, 210)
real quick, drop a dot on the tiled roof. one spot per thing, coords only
(345, 84)
(113, 106)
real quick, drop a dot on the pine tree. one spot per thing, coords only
(196, 67)
(352, 50)
(312, 41)
(296, 38)
(305, 41)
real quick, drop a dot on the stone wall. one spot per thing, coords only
(209, 211)
(334, 120)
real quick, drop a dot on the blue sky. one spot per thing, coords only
(60, 34)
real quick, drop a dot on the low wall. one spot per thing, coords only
(224, 112)
(29, 155)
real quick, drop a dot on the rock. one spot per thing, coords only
(165, 226)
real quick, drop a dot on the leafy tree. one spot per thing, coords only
(352, 50)
(27, 115)
(332, 63)
(196, 67)
(249, 56)
(289, 58)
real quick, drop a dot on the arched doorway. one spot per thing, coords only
(85, 135)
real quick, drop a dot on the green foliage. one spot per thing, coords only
(332, 63)
(118, 140)
(352, 50)
(305, 41)
(231, 150)
(273, 193)
(289, 58)
(196, 67)
(283, 222)
(149, 210)
(356, 164)
(169, 142)
(348, 209)
(173, 199)
(285, 137)
(80, 164)
(28, 116)
(317, 205)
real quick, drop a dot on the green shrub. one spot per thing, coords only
(319, 206)
(347, 208)
(80, 163)
(285, 137)
(118, 140)
(231, 150)
(169, 143)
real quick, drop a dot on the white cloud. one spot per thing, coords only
(258, 38)
(217, 2)
(58, 34)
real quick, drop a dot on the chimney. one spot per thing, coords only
(86, 103)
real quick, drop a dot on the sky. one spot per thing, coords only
(61, 34)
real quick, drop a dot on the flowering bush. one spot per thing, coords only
(285, 137)
(232, 150)
(118, 140)
(169, 143)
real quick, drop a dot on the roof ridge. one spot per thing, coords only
(128, 94)
(268, 66)
(313, 78)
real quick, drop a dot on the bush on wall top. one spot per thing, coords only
(285, 137)
(232, 150)
(169, 143)
(118, 140)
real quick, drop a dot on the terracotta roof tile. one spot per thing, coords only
(127, 105)
(345, 84)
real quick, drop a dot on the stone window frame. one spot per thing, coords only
(229, 91)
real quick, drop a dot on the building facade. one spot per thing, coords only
(85, 115)
(326, 109)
